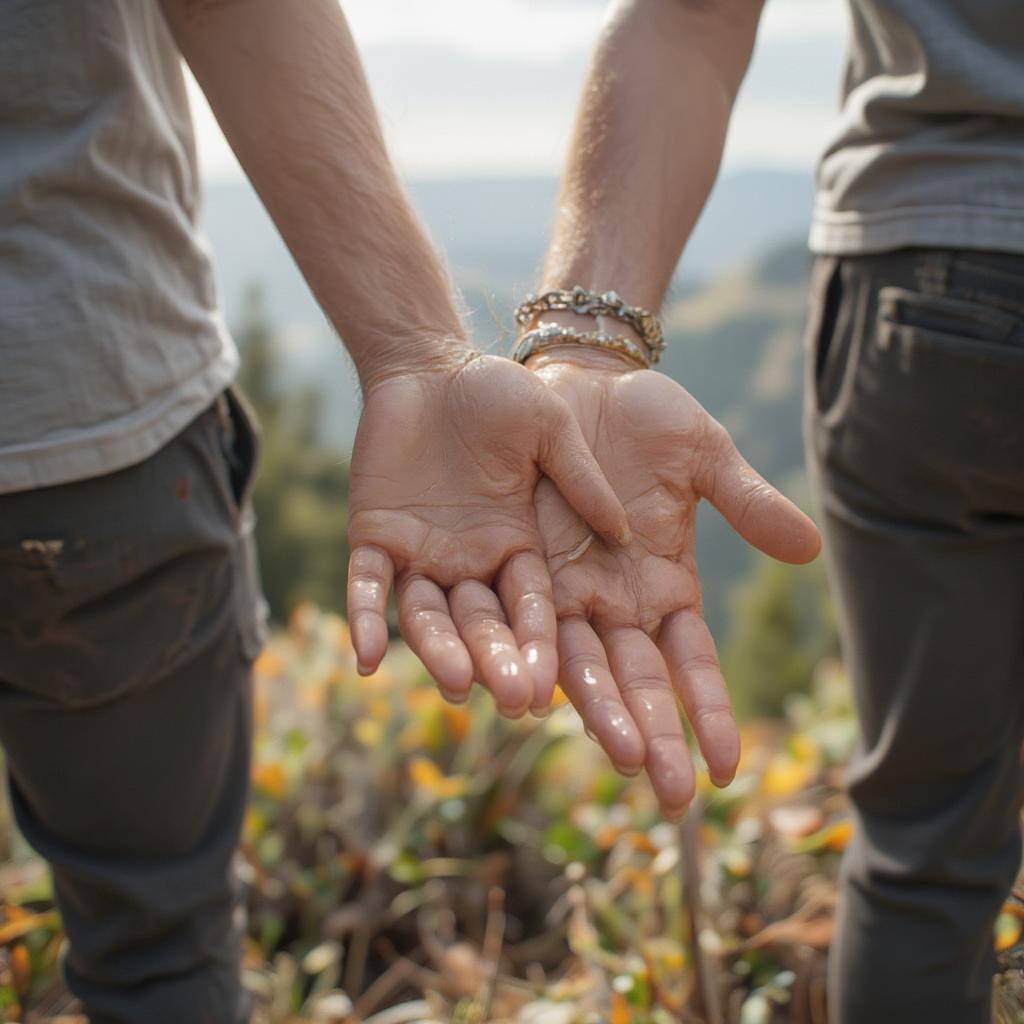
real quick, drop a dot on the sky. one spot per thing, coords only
(485, 88)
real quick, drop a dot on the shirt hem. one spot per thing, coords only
(113, 446)
(994, 229)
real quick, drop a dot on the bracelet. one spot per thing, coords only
(587, 303)
(548, 335)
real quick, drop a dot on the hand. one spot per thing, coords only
(444, 468)
(631, 633)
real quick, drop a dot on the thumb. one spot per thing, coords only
(759, 513)
(566, 458)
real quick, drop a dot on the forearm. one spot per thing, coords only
(647, 144)
(287, 86)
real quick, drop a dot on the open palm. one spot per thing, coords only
(444, 468)
(631, 632)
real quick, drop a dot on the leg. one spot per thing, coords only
(125, 713)
(937, 667)
(924, 524)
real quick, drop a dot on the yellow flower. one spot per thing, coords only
(269, 664)
(457, 719)
(21, 969)
(1008, 930)
(791, 770)
(429, 779)
(368, 731)
(835, 837)
(271, 779)
(255, 823)
(667, 954)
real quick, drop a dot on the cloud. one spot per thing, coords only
(465, 88)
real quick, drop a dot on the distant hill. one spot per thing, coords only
(734, 331)
(493, 233)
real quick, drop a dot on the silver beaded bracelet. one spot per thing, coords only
(584, 302)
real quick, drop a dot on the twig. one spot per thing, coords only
(494, 936)
(399, 973)
(706, 993)
(355, 961)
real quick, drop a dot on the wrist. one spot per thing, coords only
(585, 357)
(582, 354)
(424, 354)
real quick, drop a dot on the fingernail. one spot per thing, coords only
(541, 712)
(630, 773)
(626, 537)
(517, 712)
(454, 698)
(675, 819)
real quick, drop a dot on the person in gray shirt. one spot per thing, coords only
(915, 395)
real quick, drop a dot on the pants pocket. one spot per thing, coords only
(240, 444)
(830, 335)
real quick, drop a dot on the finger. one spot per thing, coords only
(566, 458)
(753, 508)
(524, 585)
(370, 572)
(588, 683)
(480, 620)
(692, 660)
(428, 629)
(643, 680)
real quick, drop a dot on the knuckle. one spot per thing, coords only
(666, 742)
(643, 683)
(481, 620)
(707, 712)
(579, 663)
(693, 663)
(598, 701)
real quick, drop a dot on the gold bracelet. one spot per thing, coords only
(547, 335)
(587, 303)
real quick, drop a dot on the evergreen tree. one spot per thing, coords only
(301, 491)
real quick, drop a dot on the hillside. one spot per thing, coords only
(734, 333)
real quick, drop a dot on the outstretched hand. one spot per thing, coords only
(631, 632)
(444, 468)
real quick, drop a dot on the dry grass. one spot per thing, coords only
(411, 861)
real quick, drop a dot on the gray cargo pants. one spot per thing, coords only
(128, 624)
(915, 433)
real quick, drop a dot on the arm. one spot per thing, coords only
(450, 444)
(287, 86)
(632, 637)
(647, 144)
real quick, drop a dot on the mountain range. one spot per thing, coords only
(733, 327)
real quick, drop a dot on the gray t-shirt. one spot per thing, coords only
(110, 339)
(930, 147)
